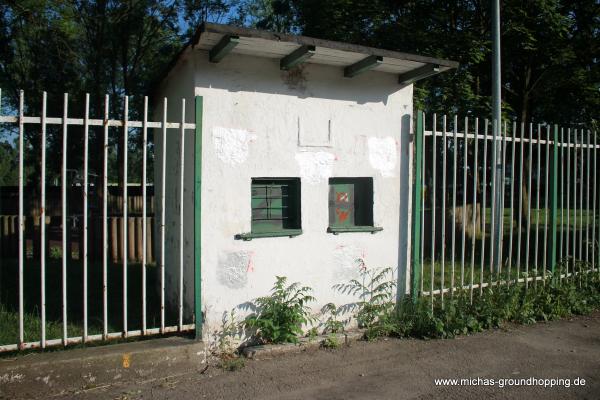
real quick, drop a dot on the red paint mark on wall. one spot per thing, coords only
(342, 197)
(342, 215)
(250, 267)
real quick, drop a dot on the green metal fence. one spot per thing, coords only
(540, 182)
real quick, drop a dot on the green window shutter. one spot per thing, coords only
(341, 204)
(350, 202)
(275, 205)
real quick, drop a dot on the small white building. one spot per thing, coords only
(306, 164)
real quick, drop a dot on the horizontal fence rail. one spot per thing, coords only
(518, 206)
(61, 293)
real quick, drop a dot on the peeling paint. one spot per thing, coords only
(348, 261)
(233, 269)
(231, 145)
(383, 155)
(315, 167)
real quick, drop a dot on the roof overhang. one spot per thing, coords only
(222, 41)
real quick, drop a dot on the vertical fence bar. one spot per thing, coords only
(574, 201)
(521, 184)
(433, 172)
(527, 255)
(553, 171)
(0, 203)
(495, 130)
(464, 216)
(594, 208)
(417, 193)
(144, 222)
(474, 236)
(443, 216)
(125, 206)
(85, 214)
(501, 206)
(537, 203)
(198, 218)
(105, 221)
(547, 187)
(64, 218)
(181, 203)
(581, 146)
(587, 203)
(483, 204)
(43, 225)
(562, 198)
(512, 198)
(162, 216)
(423, 164)
(568, 185)
(21, 217)
(454, 165)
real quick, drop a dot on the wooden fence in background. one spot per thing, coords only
(9, 240)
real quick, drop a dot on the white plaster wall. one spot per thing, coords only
(263, 122)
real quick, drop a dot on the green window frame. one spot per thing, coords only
(275, 204)
(351, 205)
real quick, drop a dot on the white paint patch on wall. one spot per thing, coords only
(231, 145)
(234, 268)
(315, 167)
(348, 262)
(383, 155)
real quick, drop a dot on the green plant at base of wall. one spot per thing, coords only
(553, 298)
(375, 291)
(279, 317)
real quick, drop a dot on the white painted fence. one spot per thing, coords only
(126, 125)
(465, 259)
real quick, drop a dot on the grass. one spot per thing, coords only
(480, 240)
(9, 327)
(9, 324)
(496, 306)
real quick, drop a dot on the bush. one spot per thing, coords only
(551, 299)
(280, 316)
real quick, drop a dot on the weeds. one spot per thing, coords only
(330, 342)
(332, 323)
(498, 305)
(232, 363)
(375, 305)
(280, 316)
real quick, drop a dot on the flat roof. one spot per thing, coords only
(227, 40)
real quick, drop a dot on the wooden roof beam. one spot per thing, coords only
(361, 66)
(423, 72)
(221, 49)
(297, 57)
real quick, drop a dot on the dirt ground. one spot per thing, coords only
(401, 369)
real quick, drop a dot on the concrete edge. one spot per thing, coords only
(93, 367)
(262, 352)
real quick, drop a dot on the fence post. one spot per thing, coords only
(198, 219)
(553, 203)
(416, 212)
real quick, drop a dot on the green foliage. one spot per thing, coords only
(332, 324)
(549, 49)
(280, 316)
(549, 300)
(330, 342)
(232, 363)
(375, 291)
(312, 333)
(229, 330)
